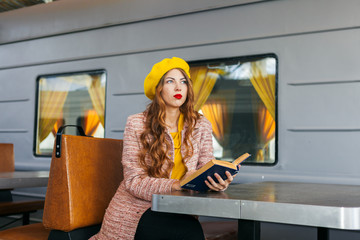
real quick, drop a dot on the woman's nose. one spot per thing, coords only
(177, 87)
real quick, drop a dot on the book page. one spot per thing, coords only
(240, 159)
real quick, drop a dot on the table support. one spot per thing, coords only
(26, 218)
(248, 230)
(5, 195)
(322, 233)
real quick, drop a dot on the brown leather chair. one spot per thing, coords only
(82, 181)
(8, 206)
(7, 157)
(7, 164)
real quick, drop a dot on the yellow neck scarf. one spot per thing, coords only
(179, 168)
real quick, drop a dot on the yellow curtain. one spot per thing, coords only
(264, 85)
(51, 105)
(90, 122)
(216, 113)
(52, 95)
(97, 95)
(266, 127)
(203, 80)
(58, 124)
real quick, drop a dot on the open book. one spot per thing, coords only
(196, 181)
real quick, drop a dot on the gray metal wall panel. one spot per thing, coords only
(324, 107)
(17, 116)
(249, 22)
(121, 110)
(76, 15)
(327, 154)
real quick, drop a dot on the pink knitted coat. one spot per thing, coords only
(133, 196)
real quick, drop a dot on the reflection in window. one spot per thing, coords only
(71, 99)
(238, 97)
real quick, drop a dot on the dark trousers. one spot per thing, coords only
(168, 226)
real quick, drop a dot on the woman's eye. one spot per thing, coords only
(169, 81)
(184, 82)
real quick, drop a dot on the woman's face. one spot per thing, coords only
(175, 89)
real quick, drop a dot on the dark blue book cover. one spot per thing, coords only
(196, 181)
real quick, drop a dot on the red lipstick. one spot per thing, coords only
(178, 96)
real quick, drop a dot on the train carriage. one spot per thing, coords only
(306, 52)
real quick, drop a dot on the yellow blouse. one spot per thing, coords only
(179, 168)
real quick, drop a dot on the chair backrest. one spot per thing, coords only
(82, 182)
(7, 157)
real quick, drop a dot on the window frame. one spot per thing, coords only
(62, 74)
(244, 59)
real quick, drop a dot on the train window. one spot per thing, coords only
(71, 99)
(238, 97)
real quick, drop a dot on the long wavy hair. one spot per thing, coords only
(153, 139)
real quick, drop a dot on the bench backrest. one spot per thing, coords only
(82, 182)
(7, 157)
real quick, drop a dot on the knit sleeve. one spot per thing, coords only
(206, 147)
(137, 182)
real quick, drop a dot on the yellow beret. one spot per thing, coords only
(159, 69)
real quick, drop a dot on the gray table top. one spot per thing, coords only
(310, 204)
(23, 179)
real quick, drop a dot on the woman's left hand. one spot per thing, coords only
(222, 185)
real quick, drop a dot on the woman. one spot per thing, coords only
(161, 146)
